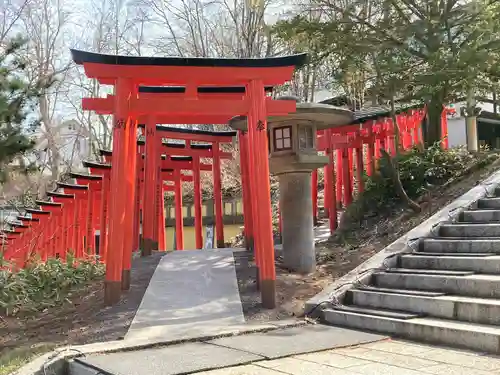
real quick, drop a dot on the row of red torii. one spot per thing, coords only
(149, 91)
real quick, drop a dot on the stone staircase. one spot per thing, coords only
(446, 291)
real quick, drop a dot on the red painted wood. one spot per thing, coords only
(150, 175)
(117, 211)
(332, 213)
(198, 214)
(359, 170)
(264, 219)
(217, 196)
(339, 178)
(130, 182)
(314, 193)
(245, 159)
(179, 215)
(161, 220)
(179, 75)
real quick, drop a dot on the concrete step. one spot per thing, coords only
(480, 216)
(428, 254)
(479, 264)
(485, 286)
(460, 245)
(474, 310)
(424, 293)
(470, 230)
(378, 312)
(460, 334)
(488, 203)
(428, 272)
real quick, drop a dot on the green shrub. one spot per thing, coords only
(43, 285)
(419, 171)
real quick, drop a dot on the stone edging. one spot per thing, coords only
(54, 362)
(338, 288)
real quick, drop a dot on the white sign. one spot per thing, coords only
(209, 237)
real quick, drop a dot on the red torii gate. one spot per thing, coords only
(12, 241)
(52, 235)
(103, 170)
(68, 226)
(104, 106)
(170, 167)
(94, 183)
(126, 73)
(18, 249)
(155, 134)
(213, 139)
(376, 133)
(151, 211)
(80, 204)
(175, 163)
(41, 233)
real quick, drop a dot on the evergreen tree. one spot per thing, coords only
(17, 103)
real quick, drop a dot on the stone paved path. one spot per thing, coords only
(322, 232)
(192, 293)
(223, 352)
(388, 357)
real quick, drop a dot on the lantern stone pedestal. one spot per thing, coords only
(297, 233)
(292, 157)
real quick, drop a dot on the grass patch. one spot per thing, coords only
(13, 359)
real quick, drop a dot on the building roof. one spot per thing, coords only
(373, 112)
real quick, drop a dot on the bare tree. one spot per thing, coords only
(118, 28)
(10, 13)
(44, 21)
(210, 28)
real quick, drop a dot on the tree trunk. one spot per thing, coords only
(432, 130)
(400, 191)
(471, 122)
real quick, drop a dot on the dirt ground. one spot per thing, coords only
(85, 321)
(81, 322)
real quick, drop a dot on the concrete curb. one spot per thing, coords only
(337, 289)
(55, 362)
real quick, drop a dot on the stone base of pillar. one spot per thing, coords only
(249, 247)
(299, 254)
(268, 293)
(125, 279)
(148, 245)
(112, 292)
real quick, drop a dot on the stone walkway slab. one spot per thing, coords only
(291, 341)
(192, 293)
(260, 349)
(177, 359)
(386, 357)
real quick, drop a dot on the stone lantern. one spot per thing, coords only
(292, 157)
